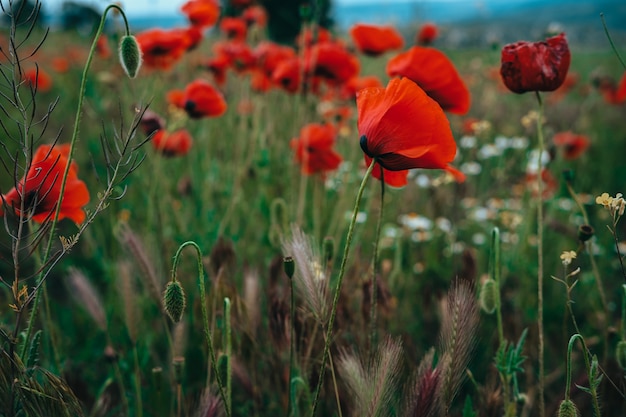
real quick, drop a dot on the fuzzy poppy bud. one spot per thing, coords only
(174, 300)
(130, 55)
(620, 354)
(289, 266)
(585, 232)
(568, 409)
(535, 66)
(489, 296)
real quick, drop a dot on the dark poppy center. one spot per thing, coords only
(363, 143)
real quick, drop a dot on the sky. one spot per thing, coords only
(173, 6)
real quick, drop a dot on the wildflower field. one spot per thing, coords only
(200, 221)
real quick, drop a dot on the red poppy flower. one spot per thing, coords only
(403, 128)
(40, 191)
(201, 13)
(375, 40)
(313, 149)
(60, 64)
(287, 74)
(200, 99)
(396, 179)
(238, 52)
(535, 66)
(39, 79)
(355, 84)
(573, 145)
(309, 36)
(234, 28)
(435, 74)
(568, 84)
(426, 34)
(102, 47)
(162, 48)
(269, 55)
(176, 143)
(255, 15)
(193, 36)
(613, 93)
(331, 62)
(260, 81)
(217, 66)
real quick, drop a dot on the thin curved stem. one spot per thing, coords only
(205, 315)
(342, 271)
(375, 267)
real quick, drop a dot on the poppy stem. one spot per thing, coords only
(375, 267)
(205, 316)
(55, 220)
(542, 406)
(342, 271)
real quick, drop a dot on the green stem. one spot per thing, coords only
(342, 271)
(608, 35)
(292, 309)
(495, 245)
(77, 118)
(205, 315)
(228, 351)
(542, 406)
(375, 267)
(586, 354)
(138, 402)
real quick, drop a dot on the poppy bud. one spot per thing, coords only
(568, 409)
(130, 55)
(585, 232)
(535, 66)
(174, 300)
(289, 266)
(488, 296)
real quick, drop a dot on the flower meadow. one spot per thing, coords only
(200, 221)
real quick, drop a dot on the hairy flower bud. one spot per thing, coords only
(174, 300)
(130, 55)
(568, 409)
(489, 296)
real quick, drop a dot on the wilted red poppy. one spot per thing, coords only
(201, 13)
(162, 48)
(313, 149)
(234, 28)
(354, 84)
(39, 79)
(151, 122)
(200, 99)
(435, 74)
(331, 62)
(176, 143)
(535, 66)
(375, 40)
(255, 15)
(403, 128)
(426, 34)
(39, 193)
(573, 145)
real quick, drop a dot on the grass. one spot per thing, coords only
(236, 194)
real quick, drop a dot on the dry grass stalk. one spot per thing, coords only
(179, 339)
(126, 287)
(133, 242)
(84, 293)
(310, 279)
(459, 323)
(373, 386)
